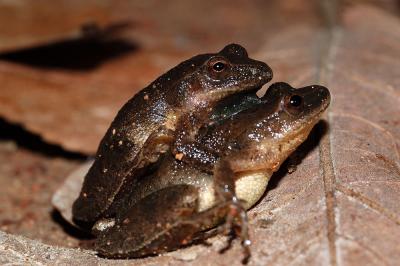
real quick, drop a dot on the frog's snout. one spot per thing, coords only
(261, 74)
(258, 71)
(324, 94)
(265, 72)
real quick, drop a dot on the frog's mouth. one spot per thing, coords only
(301, 133)
(311, 119)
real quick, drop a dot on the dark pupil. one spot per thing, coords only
(295, 100)
(219, 66)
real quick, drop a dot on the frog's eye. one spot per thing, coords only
(294, 104)
(218, 65)
(296, 101)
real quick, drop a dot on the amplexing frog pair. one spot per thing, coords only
(194, 149)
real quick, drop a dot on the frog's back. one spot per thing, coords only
(117, 154)
(114, 158)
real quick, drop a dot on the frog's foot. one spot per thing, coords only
(293, 161)
(234, 209)
(236, 221)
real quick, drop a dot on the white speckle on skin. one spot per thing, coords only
(247, 242)
(104, 224)
(188, 254)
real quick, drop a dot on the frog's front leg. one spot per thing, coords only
(157, 143)
(186, 146)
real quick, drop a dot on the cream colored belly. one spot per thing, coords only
(249, 188)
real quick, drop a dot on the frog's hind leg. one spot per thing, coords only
(166, 220)
(159, 222)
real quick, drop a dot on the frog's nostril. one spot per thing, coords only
(324, 91)
(267, 72)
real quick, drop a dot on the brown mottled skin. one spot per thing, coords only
(173, 206)
(177, 103)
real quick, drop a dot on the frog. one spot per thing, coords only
(178, 203)
(172, 107)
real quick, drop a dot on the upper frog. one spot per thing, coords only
(172, 107)
(175, 204)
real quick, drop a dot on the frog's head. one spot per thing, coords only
(216, 76)
(285, 119)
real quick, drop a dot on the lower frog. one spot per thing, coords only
(177, 203)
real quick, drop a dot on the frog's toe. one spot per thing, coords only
(236, 221)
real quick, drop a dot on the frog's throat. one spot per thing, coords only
(286, 146)
(292, 141)
(249, 187)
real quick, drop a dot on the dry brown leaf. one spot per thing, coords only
(74, 108)
(27, 23)
(341, 205)
(361, 156)
(349, 213)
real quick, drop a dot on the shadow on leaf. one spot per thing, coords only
(28, 140)
(95, 47)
